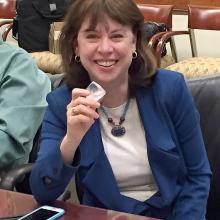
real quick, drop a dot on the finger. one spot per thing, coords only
(75, 111)
(85, 119)
(83, 110)
(87, 102)
(80, 119)
(77, 92)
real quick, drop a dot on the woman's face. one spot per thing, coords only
(106, 51)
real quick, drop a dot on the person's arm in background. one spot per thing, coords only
(23, 90)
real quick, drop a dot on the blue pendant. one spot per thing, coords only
(118, 131)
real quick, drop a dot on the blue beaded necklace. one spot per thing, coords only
(117, 129)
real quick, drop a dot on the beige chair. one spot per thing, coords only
(48, 62)
(160, 14)
(201, 18)
(7, 13)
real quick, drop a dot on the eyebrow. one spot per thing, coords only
(118, 30)
(94, 30)
(88, 30)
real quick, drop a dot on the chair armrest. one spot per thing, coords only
(6, 31)
(163, 41)
(4, 22)
(154, 39)
(9, 180)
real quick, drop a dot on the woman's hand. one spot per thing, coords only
(81, 114)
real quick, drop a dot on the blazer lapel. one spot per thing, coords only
(91, 145)
(99, 179)
(162, 151)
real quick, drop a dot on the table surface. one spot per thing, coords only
(14, 203)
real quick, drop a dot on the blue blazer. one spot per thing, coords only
(176, 154)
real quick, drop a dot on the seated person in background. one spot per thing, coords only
(23, 90)
(139, 149)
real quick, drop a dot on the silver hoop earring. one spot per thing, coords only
(134, 54)
(77, 59)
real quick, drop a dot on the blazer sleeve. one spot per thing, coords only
(50, 175)
(23, 90)
(192, 200)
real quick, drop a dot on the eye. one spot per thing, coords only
(91, 36)
(117, 36)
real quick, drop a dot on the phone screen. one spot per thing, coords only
(40, 214)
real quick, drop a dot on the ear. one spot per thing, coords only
(75, 47)
(134, 41)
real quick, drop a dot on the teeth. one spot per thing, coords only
(105, 63)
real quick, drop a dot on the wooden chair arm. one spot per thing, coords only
(6, 31)
(154, 39)
(164, 38)
(4, 22)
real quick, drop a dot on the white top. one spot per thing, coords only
(128, 154)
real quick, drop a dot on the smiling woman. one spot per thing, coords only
(106, 51)
(139, 148)
(101, 24)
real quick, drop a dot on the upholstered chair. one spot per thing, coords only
(205, 91)
(201, 18)
(48, 62)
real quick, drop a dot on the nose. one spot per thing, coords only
(105, 45)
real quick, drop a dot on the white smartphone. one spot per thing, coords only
(44, 213)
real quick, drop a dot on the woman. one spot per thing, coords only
(139, 149)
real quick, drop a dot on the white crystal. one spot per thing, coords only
(96, 91)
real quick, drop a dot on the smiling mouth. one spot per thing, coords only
(106, 63)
